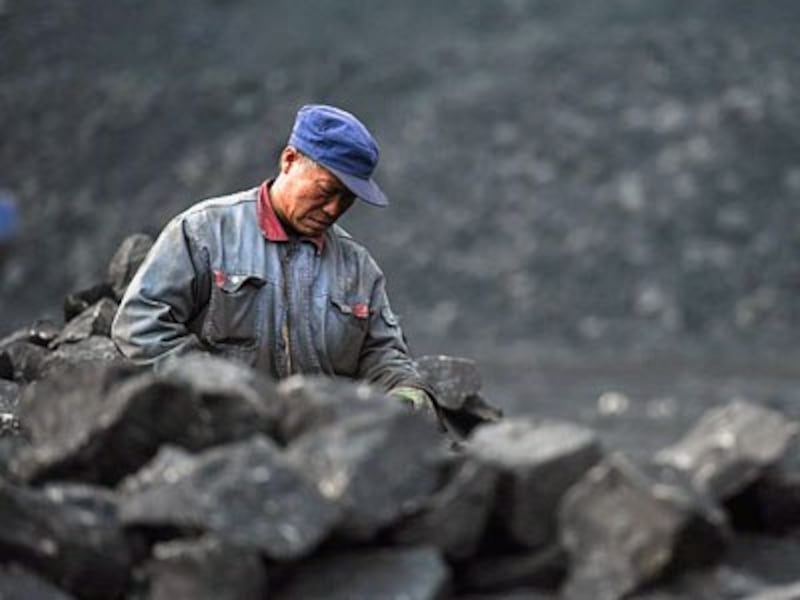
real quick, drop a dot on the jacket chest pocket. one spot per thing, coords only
(346, 331)
(233, 319)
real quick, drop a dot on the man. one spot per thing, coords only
(265, 276)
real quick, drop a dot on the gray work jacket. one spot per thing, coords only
(213, 282)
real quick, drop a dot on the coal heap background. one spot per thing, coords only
(618, 179)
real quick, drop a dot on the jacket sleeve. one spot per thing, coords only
(385, 360)
(164, 295)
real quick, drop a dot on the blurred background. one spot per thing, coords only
(597, 201)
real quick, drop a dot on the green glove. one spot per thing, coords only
(415, 398)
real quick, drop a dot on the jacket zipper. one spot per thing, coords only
(287, 322)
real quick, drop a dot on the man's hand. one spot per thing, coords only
(415, 398)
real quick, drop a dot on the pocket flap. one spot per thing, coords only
(231, 283)
(359, 310)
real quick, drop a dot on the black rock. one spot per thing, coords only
(543, 569)
(246, 493)
(379, 467)
(730, 447)
(169, 464)
(126, 260)
(454, 518)
(410, 574)
(81, 550)
(311, 402)
(17, 583)
(9, 395)
(538, 460)
(6, 366)
(623, 529)
(457, 383)
(719, 582)
(232, 401)
(94, 320)
(784, 592)
(204, 569)
(24, 360)
(772, 502)
(78, 302)
(93, 350)
(454, 379)
(98, 423)
(43, 331)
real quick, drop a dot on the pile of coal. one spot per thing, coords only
(207, 480)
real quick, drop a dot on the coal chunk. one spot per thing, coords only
(98, 423)
(246, 493)
(126, 261)
(379, 467)
(457, 383)
(730, 447)
(79, 549)
(310, 402)
(454, 518)
(94, 320)
(409, 573)
(169, 463)
(77, 302)
(204, 569)
(93, 350)
(17, 583)
(624, 528)
(538, 460)
(232, 401)
(23, 360)
(544, 569)
(9, 395)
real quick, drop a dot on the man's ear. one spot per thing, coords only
(289, 157)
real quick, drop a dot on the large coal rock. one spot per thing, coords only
(204, 569)
(94, 320)
(624, 528)
(97, 423)
(23, 360)
(246, 493)
(94, 350)
(100, 423)
(454, 518)
(457, 383)
(76, 303)
(17, 583)
(126, 261)
(232, 401)
(730, 447)
(310, 402)
(410, 574)
(538, 460)
(81, 550)
(379, 467)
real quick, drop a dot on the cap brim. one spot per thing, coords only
(366, 189)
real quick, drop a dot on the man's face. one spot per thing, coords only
(308, 198)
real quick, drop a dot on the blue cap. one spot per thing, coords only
(338, 141)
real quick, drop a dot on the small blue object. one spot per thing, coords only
(8, 216)
(339, 141)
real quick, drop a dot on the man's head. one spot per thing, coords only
(326, 165)
(306, 196)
